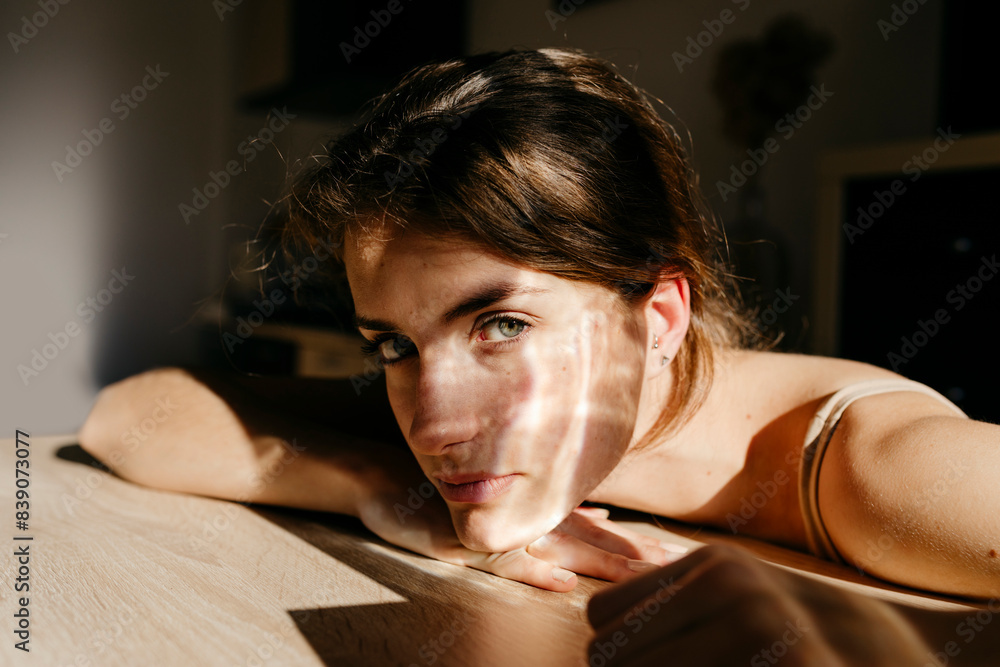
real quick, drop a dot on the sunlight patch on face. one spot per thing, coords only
(549, 407)
(370, 243)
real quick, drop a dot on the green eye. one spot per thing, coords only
(510, 328)
(503, 328)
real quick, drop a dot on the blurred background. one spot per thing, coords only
(847, 146)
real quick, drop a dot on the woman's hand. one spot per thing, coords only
(586, 542)
(721, 606)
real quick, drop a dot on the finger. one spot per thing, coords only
(519, 565)
(596, 512)
(616, 601)
(613, 526)
(651, 546)
(583, 558)
(610, 536)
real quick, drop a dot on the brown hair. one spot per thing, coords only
(553, 160)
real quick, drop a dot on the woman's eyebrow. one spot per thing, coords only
(482, 298)
(486, 297)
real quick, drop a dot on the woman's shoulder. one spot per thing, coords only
(773, 398)
(769, 399)
(796, 377)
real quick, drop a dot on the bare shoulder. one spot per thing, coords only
(770, 397)
(800, 372)
(770, 384)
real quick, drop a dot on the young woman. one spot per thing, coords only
(529, 259)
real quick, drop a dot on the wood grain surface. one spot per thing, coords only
(126, 575)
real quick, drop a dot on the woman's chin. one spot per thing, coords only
(494, 542)
(496, 533)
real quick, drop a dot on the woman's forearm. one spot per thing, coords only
(170, 430)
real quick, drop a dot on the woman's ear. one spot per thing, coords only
(668, 313)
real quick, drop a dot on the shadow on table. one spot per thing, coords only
(464, 617)
(451, 615)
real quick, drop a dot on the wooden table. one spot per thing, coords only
(125, 575)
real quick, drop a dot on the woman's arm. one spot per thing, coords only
(301, 443)
(721, 606)
(908, 493)
(210, 435)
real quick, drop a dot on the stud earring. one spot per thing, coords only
(664, 360)
(656, 343)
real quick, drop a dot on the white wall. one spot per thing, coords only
(118, 208)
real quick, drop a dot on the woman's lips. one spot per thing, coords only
(478, 491)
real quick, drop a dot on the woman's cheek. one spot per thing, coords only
(401, 402)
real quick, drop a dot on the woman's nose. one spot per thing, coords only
(445, 410)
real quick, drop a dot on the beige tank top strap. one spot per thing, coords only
(821, 429)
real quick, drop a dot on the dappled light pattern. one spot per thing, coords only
(551, 407)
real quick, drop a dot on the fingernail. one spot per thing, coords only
(641, 566)
(673, 548)
(561, 575)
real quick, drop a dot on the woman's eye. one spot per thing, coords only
(503, 328)
(396, 348)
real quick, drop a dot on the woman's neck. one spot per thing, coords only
(678, 473)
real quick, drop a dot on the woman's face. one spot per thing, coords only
(516, 390)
